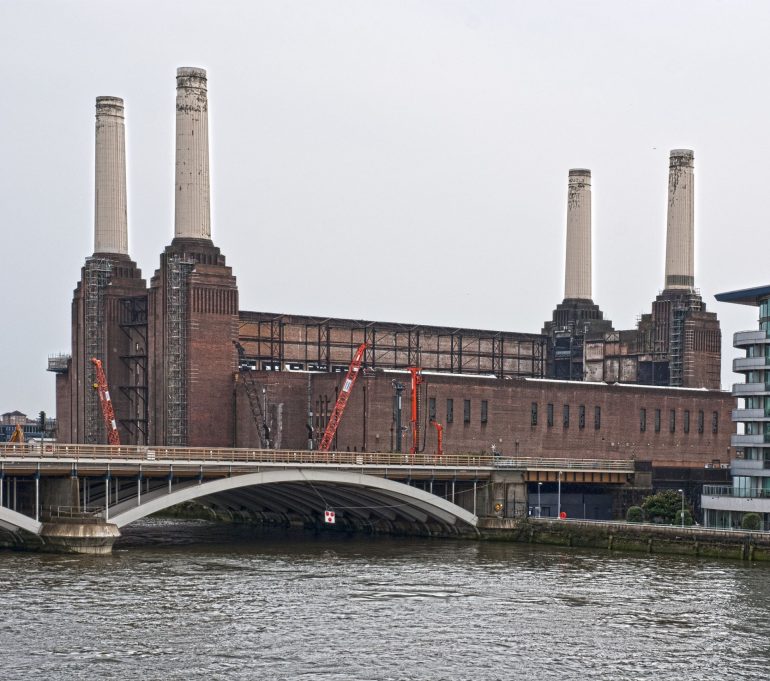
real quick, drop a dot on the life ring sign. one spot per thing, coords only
(563, 515)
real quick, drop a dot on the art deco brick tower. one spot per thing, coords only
(680, 340)
(577, 317)
(108, 306)
(193, 302)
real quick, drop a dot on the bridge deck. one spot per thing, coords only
(50, 455)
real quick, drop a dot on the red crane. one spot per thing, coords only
(113, 437)
(342, 399)
(415, 420)
(440, 437)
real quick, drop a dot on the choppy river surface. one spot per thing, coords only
(194, 600)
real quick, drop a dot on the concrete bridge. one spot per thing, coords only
(77, 497)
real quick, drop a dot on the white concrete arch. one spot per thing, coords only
(14, 521)
(400, 494)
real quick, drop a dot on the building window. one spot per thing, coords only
(672, 421)
(657, 420)
(700, 421)
(582, 416)
(466, 411)
(431, 408)
(484, 411)
(565, 416)
(642, 420)
(686, 424)
(450, 410)
(597, 418)
(715, 422)
(533, 414)
(549, 415)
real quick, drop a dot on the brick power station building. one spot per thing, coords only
(187, 367)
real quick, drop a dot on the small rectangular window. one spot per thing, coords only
(484, 411)
(715, 422)
(582, 416)
(466, 411)
(642, 420)
(549, 415)
(597, 418)
(450, 410)
(431, 408)
(686, 424)
(700, 420)
(533, 414)
(565, 416)
(672, 421)
(657, 420)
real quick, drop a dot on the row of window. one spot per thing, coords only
(685, 421)
(565, 415)
(450, 410)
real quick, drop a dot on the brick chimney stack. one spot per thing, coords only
(110, 222)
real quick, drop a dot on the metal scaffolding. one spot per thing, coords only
(177, 275)
(133, 322)
(97, 276)
(678, 314)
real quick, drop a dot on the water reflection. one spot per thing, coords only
(198, 600)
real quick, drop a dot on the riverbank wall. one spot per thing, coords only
(633, 537)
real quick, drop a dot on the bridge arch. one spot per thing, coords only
(307, 493)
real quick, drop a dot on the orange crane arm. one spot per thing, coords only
(342, 399)
(18, 434)
(417, 380)
(113, 437)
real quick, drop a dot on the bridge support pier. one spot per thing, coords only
(76, 537)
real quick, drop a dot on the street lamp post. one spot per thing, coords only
(539, 507)
(681, 491)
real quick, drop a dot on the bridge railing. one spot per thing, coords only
(56, 451)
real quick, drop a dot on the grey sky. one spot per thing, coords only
(398, 161)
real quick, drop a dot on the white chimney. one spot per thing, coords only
(680, 233)
(110, 222)
(192, 204)
(577, 273)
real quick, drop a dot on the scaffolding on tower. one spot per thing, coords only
(96, 278)
(177, 276)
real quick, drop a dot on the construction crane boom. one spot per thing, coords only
(113, 437)
(342, 399)
(417, 380)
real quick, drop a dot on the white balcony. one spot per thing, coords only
(722, 499)
(749, 468)
(750, 363)
(743, 338)
(743, 389)
(748, 440)
(750, 415)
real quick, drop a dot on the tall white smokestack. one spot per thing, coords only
(192, 205)
(577, 272)
(680, 234)
(110, 222)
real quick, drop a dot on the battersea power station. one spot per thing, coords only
(187, 367)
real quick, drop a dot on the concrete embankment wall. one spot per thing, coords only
(640, 538)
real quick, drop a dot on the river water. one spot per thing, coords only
(196, 600)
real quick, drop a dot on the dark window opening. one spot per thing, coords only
(466, 411)
(484, 411)
(431, 408)
(715, 422)
(686, 423)
(549, 415)
(450, 410)
(657, 420)
(597, 418)
(642, 420)
(533, 414)
(672, 421)
(565, 416)
(700, 421)
(582, 416)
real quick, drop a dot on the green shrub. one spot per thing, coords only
(688, 520)
(635, 514)
(751, 521)
(663, 507)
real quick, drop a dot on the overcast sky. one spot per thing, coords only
(393, 161)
